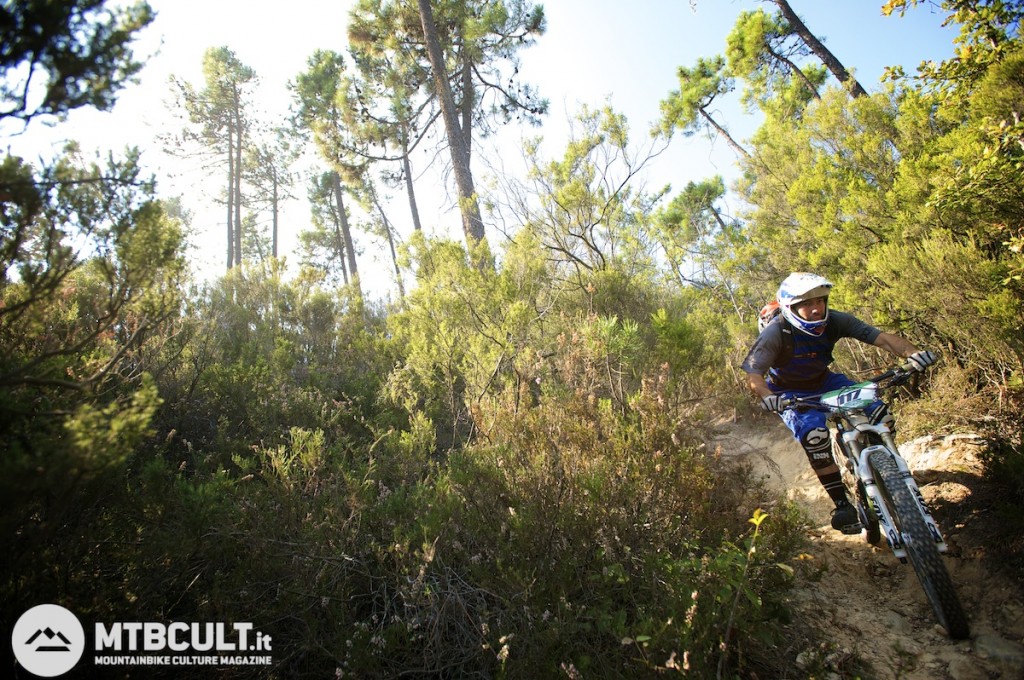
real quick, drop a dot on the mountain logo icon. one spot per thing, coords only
(64, 646)
(48, 640)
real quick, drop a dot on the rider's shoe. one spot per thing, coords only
(844, 518)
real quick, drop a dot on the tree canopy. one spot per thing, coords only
(57, 57)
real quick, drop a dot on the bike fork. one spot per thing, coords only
(885, 523)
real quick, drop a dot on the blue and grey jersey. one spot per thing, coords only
(806, 367)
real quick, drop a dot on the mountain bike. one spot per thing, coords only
(882, 488)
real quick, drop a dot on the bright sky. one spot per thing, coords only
(593, 51)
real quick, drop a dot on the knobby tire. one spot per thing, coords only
(921, 549)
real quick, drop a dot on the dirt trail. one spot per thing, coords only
(865, 601)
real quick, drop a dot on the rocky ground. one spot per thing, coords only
(870, 605)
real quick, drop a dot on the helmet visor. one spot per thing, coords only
(816, 292)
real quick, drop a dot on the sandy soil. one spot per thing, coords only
(869, 604)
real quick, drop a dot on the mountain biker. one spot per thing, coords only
(791, 357)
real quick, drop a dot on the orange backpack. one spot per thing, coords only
(767, 313)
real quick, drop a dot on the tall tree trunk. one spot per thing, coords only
(391, 245)
(472, 222)
(275, 210)
(231, 204)
(831, 63)
(346, 233)
(339, 245)
(238, 183)
(407, 171)
(468, 101)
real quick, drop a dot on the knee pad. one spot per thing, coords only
(818, 447)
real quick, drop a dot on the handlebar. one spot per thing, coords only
(894, 377)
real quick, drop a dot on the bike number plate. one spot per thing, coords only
(855, 396)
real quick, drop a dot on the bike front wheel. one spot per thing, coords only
(920, 545)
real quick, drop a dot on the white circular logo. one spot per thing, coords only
(48, 640)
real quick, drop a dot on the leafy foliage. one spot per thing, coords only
(57, 57)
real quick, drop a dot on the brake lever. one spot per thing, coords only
(898, 376)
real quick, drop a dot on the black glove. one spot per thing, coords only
(922, 360)
(772, 402)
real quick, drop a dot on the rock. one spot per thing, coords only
(932, 457)
(989, 646)
(965, 668)
(896, 623)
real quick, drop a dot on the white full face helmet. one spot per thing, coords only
(798, 287)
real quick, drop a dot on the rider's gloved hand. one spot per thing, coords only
(922, 360)
(772, 403)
